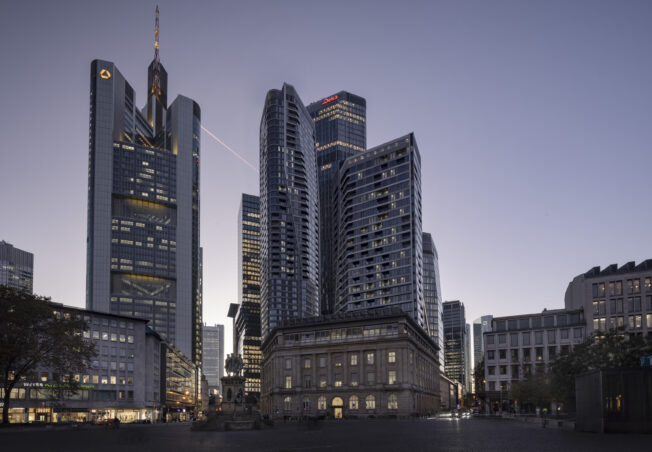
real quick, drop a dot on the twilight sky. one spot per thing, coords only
(532, 118)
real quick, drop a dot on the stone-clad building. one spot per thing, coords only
(356, 364)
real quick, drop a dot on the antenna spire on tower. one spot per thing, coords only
(156, 83)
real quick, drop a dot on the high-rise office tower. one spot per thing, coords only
(16, 267)
(143, 255)
(379, 250)
(432, 295)
(340, 132)
(247, 321)
(455, 341)
(480, 326)
(289, 211)
(213, 356)
(468, 384)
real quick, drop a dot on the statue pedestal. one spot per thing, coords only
(233, 394)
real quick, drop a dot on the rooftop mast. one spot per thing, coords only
(156, 83)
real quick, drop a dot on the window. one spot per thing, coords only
(306, 404)
(113, 379)
(564, 333)
(634, 304)
(513, 340)
(552, 337)
(391, 377)
(353, 402)
(371, 378)
(577, 333)
(288, 363)
(538, 337)
(322, 381)
(105, 336)
(615, 288)
(392, 402)
(491, 370)
(616, 306)
(354, 360)
(370, 358)
(635, 321)
(338, 381)
(288, 382)
(490, 339)
(552, 351)
(306, 363)
(123, 338)
(648, 321)
(648, 284)
(526, 338)
(514, 355)
(130, 339)
(549, 321)
(492, 385)
(502, 339)
(306, 382)
(502, 354)
(322, 361)
(539, 351)
(648, 303)
(287, 403)
(370, 402)
(391, 357)
(321, 403)
(114, 337)
(490, 355)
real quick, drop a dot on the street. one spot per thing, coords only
(371, 435)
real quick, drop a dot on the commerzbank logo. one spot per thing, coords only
(105, 74)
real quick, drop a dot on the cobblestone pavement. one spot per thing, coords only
(372, 435)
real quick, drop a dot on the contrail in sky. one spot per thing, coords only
(244, 160)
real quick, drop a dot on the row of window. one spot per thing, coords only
(353, 381)
(616, 305)
(616, 287)
(527, 353)
(105, 336)
(634, 322)
(353, 360)
(564, 334)
(370, 403)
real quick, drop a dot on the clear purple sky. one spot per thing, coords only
(532, 118)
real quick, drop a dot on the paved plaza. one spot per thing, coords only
(371, 435)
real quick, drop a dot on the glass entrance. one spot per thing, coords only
(337, 403)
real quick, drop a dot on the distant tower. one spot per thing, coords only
(143, 255)
(432, 295)
(16, 267)
(289, 211)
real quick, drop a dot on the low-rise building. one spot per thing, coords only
(521, 345)
(355, 364)
(614, 298)
(134, 376)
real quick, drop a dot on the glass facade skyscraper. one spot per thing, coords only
(16, 267)
(379, 250)
(432, 295)
(247, 321)
(455, 341)
(213, 356)
(143, 256)
(289, 211)
(340, 132)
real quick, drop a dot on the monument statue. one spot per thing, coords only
(234, 364)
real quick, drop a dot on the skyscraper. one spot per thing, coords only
(143, 254)
(379, 250)
(289, 211)
(340, 132)
(213, 356)
(455, 340)
(480, 326)
(16, 267)
(247, 322)
(432, 295)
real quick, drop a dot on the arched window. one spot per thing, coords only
(287, 403)
(306, 404)
(392, 402)
(337, 402)
(370, 402)
(321, 403)
(353, 402)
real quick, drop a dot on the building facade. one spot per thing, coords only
(16, 267)
(519, 346)
(379, 250)
(455, 341)
(121, 380)
(340, 132)
(289, 211)
(143, 256)
(213, 356)
(356, 364)
(432, 295)
(247, 321)
(614, 298)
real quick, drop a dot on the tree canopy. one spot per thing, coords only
(37, 334)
